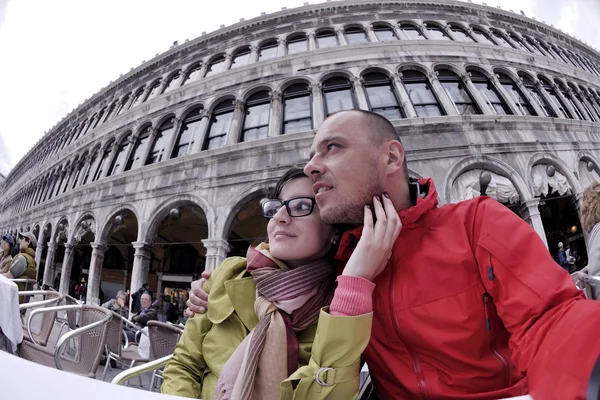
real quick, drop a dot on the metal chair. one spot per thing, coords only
(51, 298)
(587, 284)
(70, 319)
(113, 348)
(90, 344)
(140, 370)
(163, 340)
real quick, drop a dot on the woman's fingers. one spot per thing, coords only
(368, 221)
(381, 224)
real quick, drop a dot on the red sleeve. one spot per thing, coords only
(353, 296)
(553, 328)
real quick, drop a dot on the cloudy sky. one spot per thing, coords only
(55, 54)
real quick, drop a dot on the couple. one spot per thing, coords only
(469, 305)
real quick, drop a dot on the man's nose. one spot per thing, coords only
(313, 168)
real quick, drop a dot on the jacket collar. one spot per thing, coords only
(426, 200)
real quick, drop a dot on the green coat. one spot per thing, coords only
(209, 340)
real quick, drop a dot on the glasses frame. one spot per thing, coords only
(286, 204)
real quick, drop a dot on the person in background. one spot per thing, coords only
(118, 304)
(590, 213)
(136, 297)
(80, 290)
(23, 265)
(57, 282)
(141, 318)
(6, 246)
(561, 257)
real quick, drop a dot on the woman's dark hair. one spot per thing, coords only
(290, 175)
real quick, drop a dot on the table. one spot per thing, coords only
(52, 384)
(10, 316)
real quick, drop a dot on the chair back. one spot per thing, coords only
(163, 338)
(71, 314)
(43, 331)
(91, 343)
(115, 329)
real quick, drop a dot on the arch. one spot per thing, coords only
(506, 71)
(296, 35)
(474, 67)
(183, 114)
(493, 165)
(305, 80)
(556, 162)
(415, 67)
(334, 74)
(586, 157)
(458, 70)
(191, 71)
(142, 128)
(107, 224)
(219, 100)
(253, 90)
(78, 231)
(265, 42)
(148, 231)
(61, 233)
(161, 120)
(372, 69)
(122, 136)
(384, 24)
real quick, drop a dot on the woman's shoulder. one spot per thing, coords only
(230, 268)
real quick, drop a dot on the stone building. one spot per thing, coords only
(159, 175)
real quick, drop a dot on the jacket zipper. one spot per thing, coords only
(415, 359)
(498, 356)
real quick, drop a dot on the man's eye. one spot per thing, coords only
(331, 146)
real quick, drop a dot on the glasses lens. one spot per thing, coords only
(300, 207)
(270, 208)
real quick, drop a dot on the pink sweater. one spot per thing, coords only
(353, 296)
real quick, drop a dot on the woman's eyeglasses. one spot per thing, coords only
(297, 207)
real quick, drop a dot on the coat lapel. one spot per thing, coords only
(242, 293)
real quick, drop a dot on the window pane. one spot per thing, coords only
(462, 35)
(482, 38)
(412, 32)
(325, 40)
(501, 41)
(389, 113)
(339, 100)
(294, 126)
(267, 52)
(215, 67)
(240, 59)
(255, 133)
(356, 36)
(120, 158)
(157, 153)
(420, 93)
(428, 111)
(520, 102)
(436, 34)
(381, 96)
(297, 108)
(170, 83)
(385, 34)
(188, 132)
(297, 45)
(257, 115)
(153, 91)
(191, 75)
(457, 92)
(216, 142)
(136, 99)
(136, 154)
(219, 128)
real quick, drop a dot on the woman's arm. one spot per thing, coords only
(593, 267)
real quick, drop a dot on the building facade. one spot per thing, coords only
(159, 175)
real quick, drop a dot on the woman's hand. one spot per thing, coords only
(198, 301)
(374, 248)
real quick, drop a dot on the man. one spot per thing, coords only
(6, 246)
(147, 313)
(135, 298)
(23, 265)
(561, 257)
(471, 304)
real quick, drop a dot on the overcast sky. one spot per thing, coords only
(55, 54)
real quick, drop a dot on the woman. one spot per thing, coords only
(163, 308)
(118, 304)
(6, 247)
(590, 212)
(260, 338)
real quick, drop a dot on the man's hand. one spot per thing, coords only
(374, 248)
(198, 301)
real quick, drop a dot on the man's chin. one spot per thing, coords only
(342, 215)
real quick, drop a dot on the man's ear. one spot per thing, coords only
(395, 156)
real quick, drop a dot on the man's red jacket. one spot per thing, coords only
(472, 306)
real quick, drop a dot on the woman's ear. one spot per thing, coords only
(335, 237)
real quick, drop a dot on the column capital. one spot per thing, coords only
(98, 247)
(142, 249)
(281, 41)
(358, 80)
(216, 244)
(204, 113)
(253, 47)
(311, 35)
(432, 75)
(466, 76)
(69, 247)
(316, 87)
(238, 104)
(275, 95)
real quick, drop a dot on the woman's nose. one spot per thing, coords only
(282, 216)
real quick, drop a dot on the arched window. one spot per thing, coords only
(562, 110)
(153, 92)
(338, 95)
(216, 65)
(241, 57)
(549, 50)
(594, 100)
(192, 73)
(110, 111)
(158, 151)
(297, 109)
(581, 61)
(190, 130)
(137, 97)
(124, 102)
(460, 33)
(256, 121)
(220, 122)
(561, 54)
(120, 157)
(435, 32)
(412, 31)
(489, 93)
(170, 85)
(518, 42)
(514, 93)
(267, 50)
(297, 44)
(356, 35)
(88, 170)
(88, 125)
(326, 38)
(381, 96)
(457, 92)
(499, 38)
(580, 94)
(537, 96)
(103, 161)
(482, 37)
(421, 95)
(99, 117)
(135, 159)
(569, 99)
(384, 33)
(533, 46)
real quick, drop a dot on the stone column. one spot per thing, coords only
(109, 160)
(275, 115)
(48, 275)
(85, 166)
(531, 214)
(312, 41)
(590, 106)
(576, 201)
(38, 259)
(510, 101)
(542, 49)
(202, 71)
(371, 34)
(237, 120)
(532, 101)
(447, 105)
(281, 47)
(66, 269)
(94, 279)
(542, 92)
(141, 266)
(448, 31)
(359, 91)
(128, 150)
(228, 62)
(341, 36)
(565, 102)
(216, 252)
(317, 105)
(202, 131)
(399, 33)
(253, 55)
(147, 147)
(177, 122)
(582, 110)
